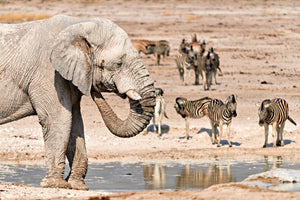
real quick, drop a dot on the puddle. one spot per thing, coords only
(118, 177)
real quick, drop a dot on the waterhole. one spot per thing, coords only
(118, 177)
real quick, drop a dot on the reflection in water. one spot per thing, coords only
(155, 176)
(118, 177)
(198, 178)
(277, 162)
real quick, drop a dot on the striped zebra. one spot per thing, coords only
(221, 114)
(184, 65)
(159, 110)
(215, 63)
(157, 48)
(191, 109)
(274, 112)
(205, 69)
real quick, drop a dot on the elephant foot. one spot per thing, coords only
(77, 184)
(55, 183)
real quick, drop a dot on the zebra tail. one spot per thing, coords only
(219, 69)
(166, 116)
(291, 120)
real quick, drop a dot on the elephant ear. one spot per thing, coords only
(71, 55)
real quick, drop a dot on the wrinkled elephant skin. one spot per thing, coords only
(45, 68)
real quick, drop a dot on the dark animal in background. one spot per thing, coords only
(191, 109)
(204, 68)
(157, 48)
(160, 48)
(141, 45)
(221, 114)
(215, 63)
(185, 63)
(274, 112)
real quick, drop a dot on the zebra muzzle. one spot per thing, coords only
(261, 122)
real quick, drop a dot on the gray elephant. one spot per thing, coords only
(45, 68)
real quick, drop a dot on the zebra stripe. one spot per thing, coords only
(220, 114)
(274, 112)
(191, 109)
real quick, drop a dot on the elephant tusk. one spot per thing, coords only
(133, 95)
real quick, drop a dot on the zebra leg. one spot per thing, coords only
(215, 72)
(209, 81)
(228, 135)
(184, 76)
(274, 133)
(213, 132)
(159, 127)
(220, 134)
(278, 135)
(154, 125)
(281, 134)
(266, 135)
(204, 80)
(158, 59)
(187, 128)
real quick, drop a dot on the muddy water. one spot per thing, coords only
(117, 177)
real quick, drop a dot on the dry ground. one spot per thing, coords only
(258, 43)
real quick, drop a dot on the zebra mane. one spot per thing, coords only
(266, 101)
(233, 99)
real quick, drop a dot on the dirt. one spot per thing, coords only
(258, 43)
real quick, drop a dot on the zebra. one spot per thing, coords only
(198, 48)
(215, 63)
(205, 69)
(161, 47)
(191, 109)
(157, 48)
(159, 110)
(184, 64)
(274, 112)
(221, 114)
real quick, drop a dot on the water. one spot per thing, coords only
(117, 177)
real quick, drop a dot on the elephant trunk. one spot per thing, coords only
(141, 112)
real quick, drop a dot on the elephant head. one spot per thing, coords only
(97, 56)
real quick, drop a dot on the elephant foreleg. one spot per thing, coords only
(76, 152)
(55, 148)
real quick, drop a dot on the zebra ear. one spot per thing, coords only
(180, 101)
(267, 105)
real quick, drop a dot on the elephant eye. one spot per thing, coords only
(119, 63)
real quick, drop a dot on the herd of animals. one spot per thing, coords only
(193, 56)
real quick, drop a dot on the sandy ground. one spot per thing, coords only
(258, 43)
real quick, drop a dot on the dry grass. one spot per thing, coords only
(167, 13)
(12, 17)
(192, 17)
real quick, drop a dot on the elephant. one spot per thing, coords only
(46, 67)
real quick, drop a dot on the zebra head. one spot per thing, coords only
(208, 62)
(231, 104)
(263, 111)
(180, 106)
(159, 92)
(203, 46)
(191, 55)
